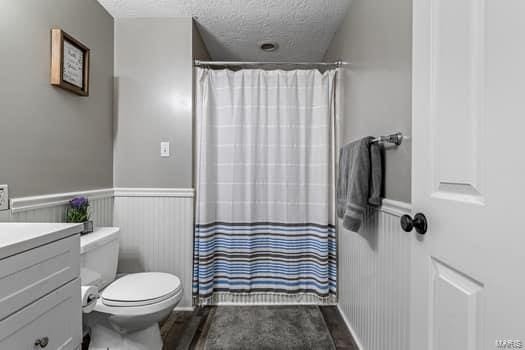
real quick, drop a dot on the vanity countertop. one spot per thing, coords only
(16, 237)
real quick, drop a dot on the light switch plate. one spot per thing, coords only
(4, 197)
(165, 149)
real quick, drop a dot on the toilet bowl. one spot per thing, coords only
(129, 308)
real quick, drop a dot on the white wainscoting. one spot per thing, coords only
(157, 235)
(156, 232)
(52, 207)
(373, 279)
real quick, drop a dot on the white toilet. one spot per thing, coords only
(127, 314)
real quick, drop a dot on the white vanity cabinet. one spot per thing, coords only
(40, 305)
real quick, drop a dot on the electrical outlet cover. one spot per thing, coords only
(4, 197)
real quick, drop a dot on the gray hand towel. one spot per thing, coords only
(376, 175)
(359, 181)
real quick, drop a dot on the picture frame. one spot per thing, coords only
(69, 63)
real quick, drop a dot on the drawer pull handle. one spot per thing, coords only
(42, 342)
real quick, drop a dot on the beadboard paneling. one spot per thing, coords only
(52, 208)
(374, 280)
(156, 233)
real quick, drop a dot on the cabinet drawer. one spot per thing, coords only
(30, 275)
(57, 316)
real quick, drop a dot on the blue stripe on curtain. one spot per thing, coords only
(264, 258)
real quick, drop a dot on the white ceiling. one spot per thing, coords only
(232, 29)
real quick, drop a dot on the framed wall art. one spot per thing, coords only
(69, 63)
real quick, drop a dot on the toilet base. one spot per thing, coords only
(103, 338)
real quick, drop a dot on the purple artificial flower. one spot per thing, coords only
(78, 202)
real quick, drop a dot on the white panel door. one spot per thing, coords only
(468, 270)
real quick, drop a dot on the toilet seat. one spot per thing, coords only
(141, 289)
(139, 294)
(122, 311)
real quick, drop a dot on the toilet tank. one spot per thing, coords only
(99, 256)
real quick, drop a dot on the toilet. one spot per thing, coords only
(127, 313)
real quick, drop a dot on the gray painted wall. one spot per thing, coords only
(376, 38)
(200, 51)
(52, 140)
(153, 94)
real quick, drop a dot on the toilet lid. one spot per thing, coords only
(138, 289)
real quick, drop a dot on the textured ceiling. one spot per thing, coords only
(232, 29)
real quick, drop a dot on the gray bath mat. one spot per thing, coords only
(268, 327)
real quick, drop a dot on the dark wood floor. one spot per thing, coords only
(187, 329)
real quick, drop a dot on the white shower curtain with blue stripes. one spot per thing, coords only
(264, 187)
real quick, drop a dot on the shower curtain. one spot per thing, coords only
(264, 187)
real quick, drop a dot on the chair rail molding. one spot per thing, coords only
(396, 208)
(20, 204)
(154, 192)
(56, 199)
(52, 207)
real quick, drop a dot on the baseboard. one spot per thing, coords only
(350, 328)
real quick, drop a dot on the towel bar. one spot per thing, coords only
(396, 138)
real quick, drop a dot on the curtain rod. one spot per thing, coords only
(198, 63)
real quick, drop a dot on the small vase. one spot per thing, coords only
(88, 227)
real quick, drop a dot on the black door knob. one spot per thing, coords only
(419, 222)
